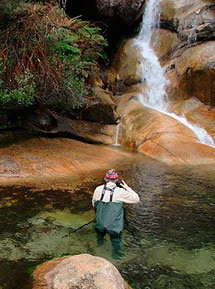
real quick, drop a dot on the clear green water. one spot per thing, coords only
(168, 241)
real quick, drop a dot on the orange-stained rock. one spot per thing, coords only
(80, 271)
(183, 107)
(203, 116)
(177, 9)
(127, 66)
(111, 75)
(104, 95)
(126, 97)
(52, 123)
(177, 149)
(196, 58)
(102, 110)
(41, 160)
(191, 64)
(160, 136)
(193, 74)
(194, 19)
(165, 42)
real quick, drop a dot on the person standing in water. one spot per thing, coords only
(108, 202)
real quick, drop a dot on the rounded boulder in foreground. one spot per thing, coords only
(80, 271)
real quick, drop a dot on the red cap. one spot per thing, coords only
(111, 175)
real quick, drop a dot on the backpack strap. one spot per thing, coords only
(103, 193)
(111, 193)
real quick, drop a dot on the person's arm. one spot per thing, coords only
(93, 199)
(96, 195)
(128, 195)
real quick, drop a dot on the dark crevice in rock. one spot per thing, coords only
(50, 123)
(168, 25)
(68, 135)
(117, 19)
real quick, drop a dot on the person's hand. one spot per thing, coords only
(124, 185)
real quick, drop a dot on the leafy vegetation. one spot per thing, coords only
(23, 95)
(46, 58)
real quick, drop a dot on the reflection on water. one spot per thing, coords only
(173, 227)
(168, 238)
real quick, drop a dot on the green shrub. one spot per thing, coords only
(23, 95)
(48, 58)
(8, 9)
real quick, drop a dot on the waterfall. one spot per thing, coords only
(116, 144)
(153, 75)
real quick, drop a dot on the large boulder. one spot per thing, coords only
(186, 48)
(52, 123)
(115, 13)
(80, 271)
(193, 74)
(166, 42)
(191, 22)
(55, 162)
(203, 116)
(103, 108)
(193, 19)
(127, 67)
(160, 136)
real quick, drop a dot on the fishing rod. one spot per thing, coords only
(79, 228)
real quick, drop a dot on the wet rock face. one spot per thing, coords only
(166, 42)
(193, 74)
(81, 272)
(111, 12)
(188, 58)
(185, 46)
(160, 136)
(44, 159)
(191, 18)
(126, 67)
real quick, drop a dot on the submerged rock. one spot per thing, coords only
(80, 271)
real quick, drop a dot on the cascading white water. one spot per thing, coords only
(152, 72)
(153, 75)
(116, 144)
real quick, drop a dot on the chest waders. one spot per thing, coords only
(108, 215)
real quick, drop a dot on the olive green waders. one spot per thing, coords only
(109, 219)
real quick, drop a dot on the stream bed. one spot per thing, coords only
(168, 240)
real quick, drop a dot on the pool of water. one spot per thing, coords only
(168, 241)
